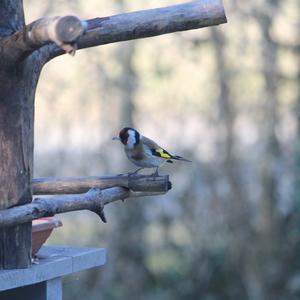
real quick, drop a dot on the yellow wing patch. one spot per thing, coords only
(162, 153)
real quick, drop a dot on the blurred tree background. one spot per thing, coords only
(228, 98)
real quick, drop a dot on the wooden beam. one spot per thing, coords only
(76, 185)
(17, 89)
(94, 200)
(153, 22)
(147, 23)
(68, 33)
(63, 31)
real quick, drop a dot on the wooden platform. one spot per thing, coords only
(42, 281)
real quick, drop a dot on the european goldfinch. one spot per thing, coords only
(144, 152)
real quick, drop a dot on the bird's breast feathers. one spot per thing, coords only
(137, 153)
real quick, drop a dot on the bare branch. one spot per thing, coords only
(99, 191)
(147, 23)
(75, 185)
(63, 31)
(94, 200)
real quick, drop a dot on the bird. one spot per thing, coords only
(144, 152)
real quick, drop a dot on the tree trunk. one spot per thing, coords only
(264, 262)
(17, 89)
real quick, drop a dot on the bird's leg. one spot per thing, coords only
(156, 172)
(135, 172)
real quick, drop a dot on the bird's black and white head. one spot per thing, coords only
(129, 137)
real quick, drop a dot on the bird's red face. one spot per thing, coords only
(124, 136)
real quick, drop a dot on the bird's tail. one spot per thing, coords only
(177, 157)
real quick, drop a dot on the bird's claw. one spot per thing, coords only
(35, 260)
(135, 172)
(155, 174)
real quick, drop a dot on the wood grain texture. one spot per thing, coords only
(147, 23)
(75, 185)
(17, 89)
(94, 200)
(16, 163)
(11, 17)
(63, 31)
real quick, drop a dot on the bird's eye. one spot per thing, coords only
(124, 136)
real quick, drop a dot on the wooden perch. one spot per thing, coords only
(67, 33)
(147, 23)
(94, 199)
(75, 185)
(63, 31)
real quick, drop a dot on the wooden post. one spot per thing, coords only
(16, 148)
(17, 86)
(19, 73)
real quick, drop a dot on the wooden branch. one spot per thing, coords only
(94, 200)
(99, 192)
(147, 23)
(75, 185)
(63, 31)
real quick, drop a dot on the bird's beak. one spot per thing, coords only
(115, 138)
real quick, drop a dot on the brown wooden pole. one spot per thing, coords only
(76, 185)
(17, 88)
(93, 200)
(147, 23)
(16, 148)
